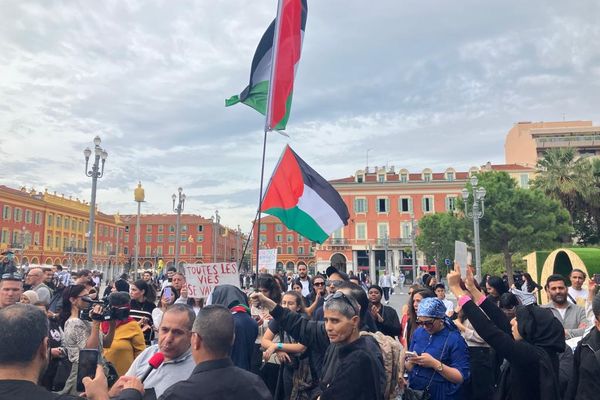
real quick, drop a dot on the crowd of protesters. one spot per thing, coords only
(329, 336)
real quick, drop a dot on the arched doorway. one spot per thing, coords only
(35, 260)
(48, 261)
(338, 260)
(289, 266)
(147, 266)
(279, 266)
(56, 261)
(24, 261)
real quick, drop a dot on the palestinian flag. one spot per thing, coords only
(303, 200)
(276, 62)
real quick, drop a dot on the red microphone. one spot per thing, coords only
(153, 363)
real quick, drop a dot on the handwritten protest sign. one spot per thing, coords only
(201, 279)
(267, 259)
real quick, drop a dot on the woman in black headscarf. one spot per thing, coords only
(530, 342)
(245, 327)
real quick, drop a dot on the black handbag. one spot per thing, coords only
(63, 370)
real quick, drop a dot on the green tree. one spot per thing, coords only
(493, 264)
(437, 233)
(518, 219)
(575, 182)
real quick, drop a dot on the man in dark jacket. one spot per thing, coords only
(215, 377)
(584, 383)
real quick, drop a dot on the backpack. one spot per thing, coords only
(391, 350)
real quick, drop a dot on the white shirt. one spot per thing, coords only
(305, 286)
(385, 281)
(449, 305)
(580, 296)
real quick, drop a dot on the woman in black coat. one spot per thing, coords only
(530, 342)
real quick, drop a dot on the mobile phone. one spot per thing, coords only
(410, 354)
(168, 293)
(88, 361)
(597, 279)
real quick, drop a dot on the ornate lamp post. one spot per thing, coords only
(95, 173)
(476, 213)
(139, 196)
(180, 198)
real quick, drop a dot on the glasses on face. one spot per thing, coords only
(318, 283)
(426, 324)
(333, 282)
(341, 295)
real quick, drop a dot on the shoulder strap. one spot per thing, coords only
(441, 356)
(571, 298)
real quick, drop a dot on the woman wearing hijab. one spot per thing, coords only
(438, 361)
(245, 327)
(530, 342)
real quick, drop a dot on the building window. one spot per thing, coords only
(361, 231)
(451, 203)
(199, 251)
(405, 228)
(278, 238)
(18, 214)
(279, 228)
(338, 234)
(301, 250)
(360, 205)
(405, 204)
(383, 205)
(263, 228)
(381, 178)
(171, 238)
(172, 228)
(148, 251)
(57, 242)
(67, 223)
(427, 204)
(278, 250)
(49, 241)
(149, 228)
(182, 238)
(382, 230)
(300, 238)
(38, 218)
(159, 238)
(27, 216)
(182, 250)
(58, 222)
(183, 228)
(159, 250)
(73, 225)
(6, 214)
(403, 177)
(5, 235)
(290, 250)
(126, 238)
(125, 250)
(200, 228)
(199, 238)
(524, 181)
(36, 238)
(80, 226)
(263, 238)
(171, 250)
(450, 176)
(290, 238)
(360, 178)
(50, 220)
(148, 238)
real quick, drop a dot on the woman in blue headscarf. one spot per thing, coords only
(438, 360)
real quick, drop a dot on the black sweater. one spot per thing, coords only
(584, 384)
(527, 362)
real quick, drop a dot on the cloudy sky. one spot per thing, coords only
(422, 83)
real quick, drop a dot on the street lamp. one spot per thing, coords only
(95, 173)
(180, 198)
(139, 196)
(476, 213)
(216, 220)
(413, 245)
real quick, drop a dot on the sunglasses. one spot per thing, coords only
(318, 283)
(341, 295)
(427, 324)
(333, 282)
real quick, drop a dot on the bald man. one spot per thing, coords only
(35, 278)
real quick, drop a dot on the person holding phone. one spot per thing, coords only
(441, 361)
(81, 334)
(142, 304)
(167, 298)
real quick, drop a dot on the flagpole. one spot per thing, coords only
(268, 126)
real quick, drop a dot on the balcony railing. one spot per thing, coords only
(338, 241)
(74, 250)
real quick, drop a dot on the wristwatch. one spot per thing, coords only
(440, 368)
